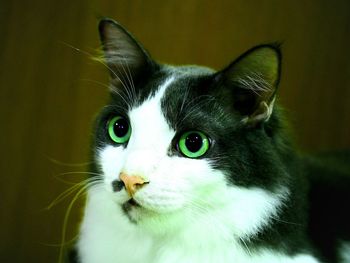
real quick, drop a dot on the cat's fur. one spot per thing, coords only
(249, 198)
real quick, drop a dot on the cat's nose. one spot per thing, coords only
(132, 183)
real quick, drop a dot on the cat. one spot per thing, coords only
(194, 165)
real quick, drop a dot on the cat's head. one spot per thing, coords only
(189, 145)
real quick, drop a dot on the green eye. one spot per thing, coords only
(193, 144)
(119, 129)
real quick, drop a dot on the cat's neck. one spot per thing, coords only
(195, 243)
(198, 240)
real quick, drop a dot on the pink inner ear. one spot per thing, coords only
(261, 114)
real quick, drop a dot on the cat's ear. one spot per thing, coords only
(124, 56)
(253, 80)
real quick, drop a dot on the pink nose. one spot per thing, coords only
(132, 182)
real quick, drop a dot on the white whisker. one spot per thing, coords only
(105, 65)
(88, 183)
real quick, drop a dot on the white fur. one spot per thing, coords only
(191, 214)
(344, 252)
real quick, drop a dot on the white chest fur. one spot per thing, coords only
(198, 218)
(108, 236)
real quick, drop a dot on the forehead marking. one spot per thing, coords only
(149, 126)
(163, 87)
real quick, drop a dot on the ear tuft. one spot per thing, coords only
(253, 79)
(123, 54)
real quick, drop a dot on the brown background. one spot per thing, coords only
(49, 91)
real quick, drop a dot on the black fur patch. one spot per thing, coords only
(312, 219)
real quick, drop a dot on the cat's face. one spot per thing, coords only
(153, 152)
(180, 145)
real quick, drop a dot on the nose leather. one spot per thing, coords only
(132, 182)
(117, 185)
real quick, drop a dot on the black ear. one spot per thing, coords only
(124, 56)
(253, 80)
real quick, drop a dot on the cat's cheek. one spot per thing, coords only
(165, 193)
(184, 184)
(162, 201)
(199, 177)
(111, 160)
(253, 208)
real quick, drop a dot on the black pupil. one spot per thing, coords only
(194, 142)
(121, 127)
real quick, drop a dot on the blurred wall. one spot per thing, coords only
(49, 92)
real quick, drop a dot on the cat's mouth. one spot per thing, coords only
(131, 203)
(134, 210)
(130, 207)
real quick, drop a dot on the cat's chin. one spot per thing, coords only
(157, 222)
(131, 203)
(132, 209)
(137, 212)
